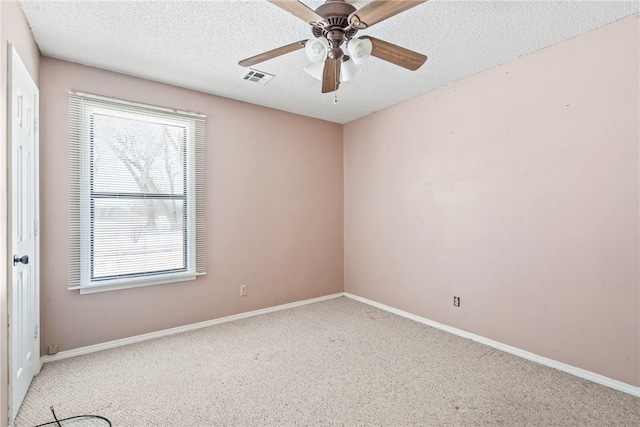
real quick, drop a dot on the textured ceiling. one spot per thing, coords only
(197, 45)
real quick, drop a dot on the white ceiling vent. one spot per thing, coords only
(256, 76)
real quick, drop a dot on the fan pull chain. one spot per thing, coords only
(335, 97)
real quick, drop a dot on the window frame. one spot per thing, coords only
(193, 125)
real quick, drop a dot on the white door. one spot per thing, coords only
(24, 305)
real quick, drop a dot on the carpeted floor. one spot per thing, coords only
(338, 362)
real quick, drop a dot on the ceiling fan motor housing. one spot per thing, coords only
(336, 14)
(335, 8)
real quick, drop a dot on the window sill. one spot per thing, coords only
(92, 289)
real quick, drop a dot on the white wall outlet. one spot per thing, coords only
(243, 290)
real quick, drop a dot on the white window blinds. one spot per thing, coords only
(136, 194)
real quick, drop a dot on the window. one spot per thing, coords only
(136, 194)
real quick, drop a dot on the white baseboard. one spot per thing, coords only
(166, 332)
(578, 372)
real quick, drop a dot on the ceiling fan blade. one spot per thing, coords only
(379, 10)
(395, 54)
(331, 75)
(298, 9)
(272, 53)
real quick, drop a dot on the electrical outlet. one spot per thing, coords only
(243, 290)
(53, 349)
(456, 301)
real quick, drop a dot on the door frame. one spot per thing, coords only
(14, 60)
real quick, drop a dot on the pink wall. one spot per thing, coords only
(15, 30)
(516, 189)
(274, 213)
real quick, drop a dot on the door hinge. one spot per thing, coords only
(36, 333)
(8, 320)
(36, 227)
(35, 125)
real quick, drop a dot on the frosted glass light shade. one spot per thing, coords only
(314, 69)
(359, 50)
(348, 70)
(316, 49)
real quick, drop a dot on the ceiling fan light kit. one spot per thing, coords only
(317, 51)
(334, 24)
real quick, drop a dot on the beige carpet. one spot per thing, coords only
(337, 362)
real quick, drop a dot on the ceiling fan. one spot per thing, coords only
(334, 24)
